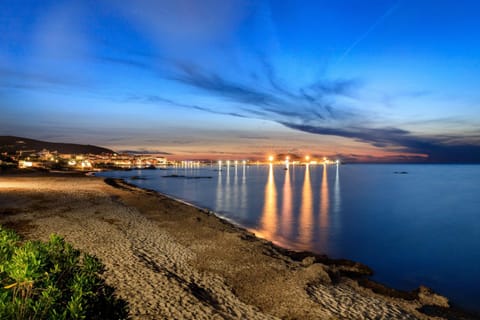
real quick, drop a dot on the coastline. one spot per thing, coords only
(208, 266)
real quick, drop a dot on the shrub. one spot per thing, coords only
(53, 280)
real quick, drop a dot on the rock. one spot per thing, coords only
(138, 178)
(316, 273)
(428, 297)
(308, 261)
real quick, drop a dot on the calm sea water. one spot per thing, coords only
(422, 227)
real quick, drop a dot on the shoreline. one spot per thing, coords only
(348, 268)
(296, 255)
(216, 248)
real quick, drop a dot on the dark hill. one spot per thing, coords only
(12, 144)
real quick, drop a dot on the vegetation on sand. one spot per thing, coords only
(53, 280)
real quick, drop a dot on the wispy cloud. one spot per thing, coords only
(161, 100)
(10, 77)
(310, 103)
(437, 148)
(146, 151)
(250, 137)
(316, 109)
(214, 83)
(127, 62)
(355, 157)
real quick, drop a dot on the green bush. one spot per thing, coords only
(53, 281)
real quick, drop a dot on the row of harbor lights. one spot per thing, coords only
(307, 159)
(228, 162)
(190, 164)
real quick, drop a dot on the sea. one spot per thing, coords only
(413, 224)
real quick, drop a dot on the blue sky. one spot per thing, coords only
(383, 81)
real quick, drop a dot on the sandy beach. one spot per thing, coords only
(170, 260)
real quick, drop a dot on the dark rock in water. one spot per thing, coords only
(187, 177)
(453, 312)
(150, 167)
(401, 172)
(138, 178)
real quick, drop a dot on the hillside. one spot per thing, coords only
(12, 144)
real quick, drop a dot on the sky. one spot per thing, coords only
(386, 81)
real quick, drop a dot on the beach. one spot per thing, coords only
(171, 260)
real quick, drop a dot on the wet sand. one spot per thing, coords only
(170, 260)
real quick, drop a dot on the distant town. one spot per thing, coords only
(32, 154)
(53, 160)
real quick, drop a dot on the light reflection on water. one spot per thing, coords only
(219, 193)
(336, 194)
(243, 190)
(287, 214)
(324, 207)
(309, 226)
(305, 229)
(406, 227)
(268, 222)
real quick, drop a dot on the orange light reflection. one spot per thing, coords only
(324, 199)
(269, 216)
(287, 205)
(306, 210)
(324, 206)
(336, 195)
(219, 198)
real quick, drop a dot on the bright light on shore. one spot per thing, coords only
(25, 164)
(307, 158)
(270, 158)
